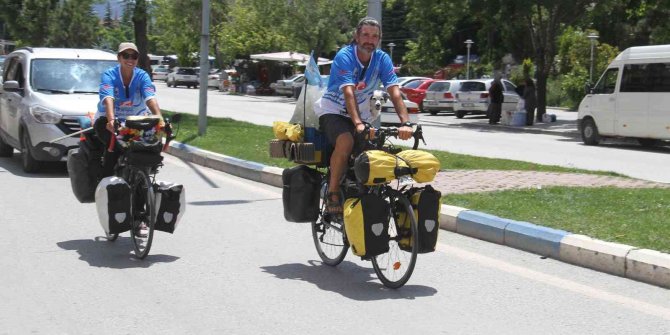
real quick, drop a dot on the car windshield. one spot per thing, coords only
(439, 86)
(186, 71)
(414, 84)
(68, 75)
(160, 69)
(469, 86)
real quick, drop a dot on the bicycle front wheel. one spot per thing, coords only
(396, 266)
(144, 212)
(329, 236)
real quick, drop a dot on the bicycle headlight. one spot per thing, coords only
(45, 115)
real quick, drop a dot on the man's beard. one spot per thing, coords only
(368, 47)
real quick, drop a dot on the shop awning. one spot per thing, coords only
(289, 56)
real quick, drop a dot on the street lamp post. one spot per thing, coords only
(469, 43)
(593, 37)
(391, 45)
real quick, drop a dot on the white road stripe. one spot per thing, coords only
(575, 287)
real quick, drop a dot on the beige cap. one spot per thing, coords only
(127, 45)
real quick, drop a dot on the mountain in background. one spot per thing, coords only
(116, 5)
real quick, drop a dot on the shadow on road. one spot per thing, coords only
(227, 202)
(348, 279)
(101, 253)
(47, 170)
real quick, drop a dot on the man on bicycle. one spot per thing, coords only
(125, 90)
(344, 109)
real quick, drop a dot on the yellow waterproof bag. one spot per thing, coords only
(423, 164)
(286, 131)
(366, 222)
(374, 167)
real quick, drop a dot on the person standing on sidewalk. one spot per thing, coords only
(530, 100)
(496, 99)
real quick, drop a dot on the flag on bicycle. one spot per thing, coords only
(312, 72)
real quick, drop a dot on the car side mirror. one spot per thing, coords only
(11, 86)
(587, 88)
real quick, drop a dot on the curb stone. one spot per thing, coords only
(643, 265)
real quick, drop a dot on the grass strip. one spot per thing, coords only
(637, 217)
(250, 142)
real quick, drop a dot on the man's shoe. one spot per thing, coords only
(141, 231)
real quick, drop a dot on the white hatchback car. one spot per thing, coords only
(48, 93)
(473, 97)
(441, 96)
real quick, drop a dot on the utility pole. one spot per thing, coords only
(375, 9)
(204, 69)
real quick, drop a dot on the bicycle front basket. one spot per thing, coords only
(144, 146)
(143, 158)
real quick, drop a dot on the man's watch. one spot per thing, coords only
(407, 124)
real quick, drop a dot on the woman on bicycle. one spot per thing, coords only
(355, 74)
(125, 90)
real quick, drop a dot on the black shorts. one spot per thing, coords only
(334, 125)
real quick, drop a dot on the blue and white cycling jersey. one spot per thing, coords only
(129, 100)
(347, 70)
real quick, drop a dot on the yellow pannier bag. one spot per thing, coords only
(366, 221)
(286, 131)
(374, 167)
(423, 164)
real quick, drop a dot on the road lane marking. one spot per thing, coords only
(561, 283)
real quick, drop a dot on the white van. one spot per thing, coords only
(630, 99)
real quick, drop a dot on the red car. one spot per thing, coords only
(416, 91)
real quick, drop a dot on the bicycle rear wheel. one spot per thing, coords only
(329, 236)
(144, 212)
(396, 266)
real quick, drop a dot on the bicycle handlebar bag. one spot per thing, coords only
(375, 167)
(112, 201)
(171, 204)
(423, 164)
(366, 221)
(300, 193)
(426, 206)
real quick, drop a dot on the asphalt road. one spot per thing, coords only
(235, 266)
(445, 132)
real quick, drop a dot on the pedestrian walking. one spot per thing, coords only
(496, 99)
(530, 100)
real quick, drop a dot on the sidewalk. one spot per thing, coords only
(626, 261)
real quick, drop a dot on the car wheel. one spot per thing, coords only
(460, 114)
(433, 112)
(648, 142)
(590, 134)
(421, 108)
(6, 150)
(28, 163)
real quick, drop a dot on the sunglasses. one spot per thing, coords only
(133, 55)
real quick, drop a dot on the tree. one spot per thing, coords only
(72, 25)
(30, 28)
(544, 21)
(140, 13)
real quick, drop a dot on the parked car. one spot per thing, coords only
(285, 86)
(404, 81)
(473, 97)
(159, 73)
(297, 86)
(441, 96)
(48, 93)
(213, 78)
(415, 91)
(185, 76)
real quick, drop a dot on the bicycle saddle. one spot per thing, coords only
(142, 122)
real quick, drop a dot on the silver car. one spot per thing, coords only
(441, 96)
(48, 93)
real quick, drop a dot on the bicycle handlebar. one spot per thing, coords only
(382, 133)
(169, 136)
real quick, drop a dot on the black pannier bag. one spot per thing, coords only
(170, 205)
(112, 200)
(426, 204)
(84, 169)
(366, 221)
(301, 193)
